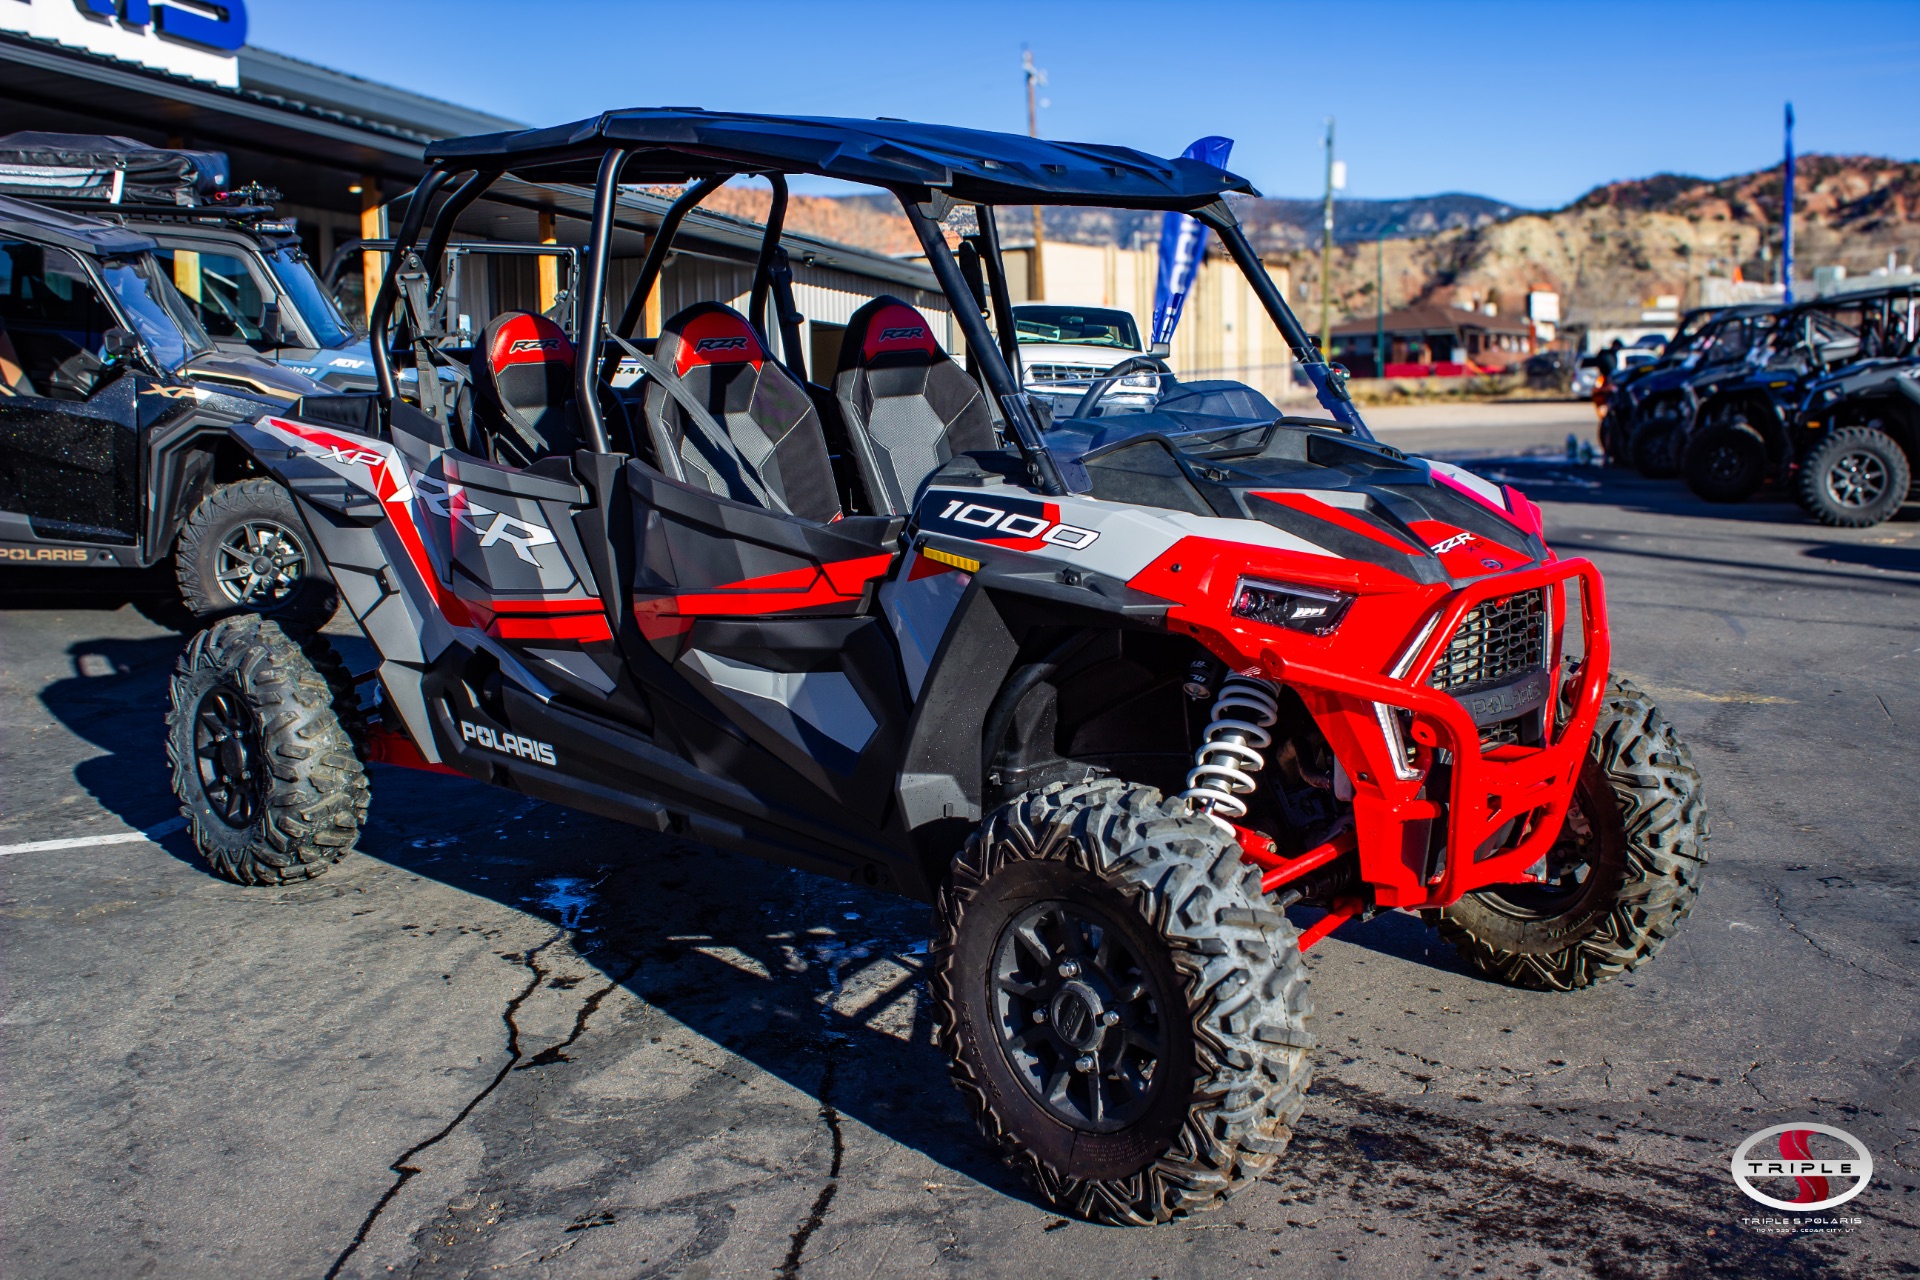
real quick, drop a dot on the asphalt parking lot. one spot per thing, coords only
(507, 1039)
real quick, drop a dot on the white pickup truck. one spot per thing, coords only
(1063, 348)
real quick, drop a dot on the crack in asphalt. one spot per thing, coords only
(790, 1268)
(557, 1052)
(404, 1171)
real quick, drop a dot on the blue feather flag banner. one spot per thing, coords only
(1183, 244)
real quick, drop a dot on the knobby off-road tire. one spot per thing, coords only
(1623, 875)
(1656, 446)
(246, 550)
(1856, 477)
(1149, 903)
(264, 762)
(1726, 461)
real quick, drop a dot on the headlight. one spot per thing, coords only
(1141, 380)
(1314, 610)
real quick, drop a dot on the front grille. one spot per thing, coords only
(1497, 639)
(1061, 373)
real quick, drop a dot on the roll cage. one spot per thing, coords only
(930, 169)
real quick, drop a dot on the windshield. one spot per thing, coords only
(158, 313)
(305, 295)
(1076, 326)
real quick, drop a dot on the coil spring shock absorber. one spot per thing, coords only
(1224, 766)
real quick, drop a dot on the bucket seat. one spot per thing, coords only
(908, 406)
(761, 440)
(522, 407)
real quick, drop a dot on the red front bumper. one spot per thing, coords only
(1527, 787)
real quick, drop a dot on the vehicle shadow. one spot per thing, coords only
(818, 983)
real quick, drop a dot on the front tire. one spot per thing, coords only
(1623, 875)
(1727, 462)
(245, 549)
(1855, 477)
(263, 766)
(1123, 1010)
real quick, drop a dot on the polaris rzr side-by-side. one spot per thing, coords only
(115, 417)
(1856, 433)
(1113, 690)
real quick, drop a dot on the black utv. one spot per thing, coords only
(1855, 435)
(235, 261)
(1741, 435)
(115, 410)
(1650, 412)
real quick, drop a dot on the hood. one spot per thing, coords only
(1098, 359)
(250, 376)
(1425, 520)
(350, 366)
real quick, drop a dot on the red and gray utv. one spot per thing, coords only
(1114, 687)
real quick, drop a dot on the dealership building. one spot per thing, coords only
(341, 150)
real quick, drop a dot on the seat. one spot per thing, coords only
(522, 407)
(773, 452)
(908, 407)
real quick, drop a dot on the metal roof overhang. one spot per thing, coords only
(66, 82)
(670, 145)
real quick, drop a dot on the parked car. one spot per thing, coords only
(115, 410)
(237, 264)
(1065, 348)
(1112, 697)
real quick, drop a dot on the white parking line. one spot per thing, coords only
(166, 828)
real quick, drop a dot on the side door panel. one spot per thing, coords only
(756, 632)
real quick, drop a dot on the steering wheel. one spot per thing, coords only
(1091, 399)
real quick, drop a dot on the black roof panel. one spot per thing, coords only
(671, 144)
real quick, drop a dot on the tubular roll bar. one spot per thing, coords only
(1313, 361)
(997, 288)
(1045, 472)
(455, 205)
(380, 316)
(593, 300)
(763, 268)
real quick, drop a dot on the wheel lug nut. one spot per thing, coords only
(1083, 1063)
(1039, 1015)
(1109, 1017)
(1069, 968)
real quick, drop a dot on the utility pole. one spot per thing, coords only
(1037, 277)
(1326, 254)
(1786, 217)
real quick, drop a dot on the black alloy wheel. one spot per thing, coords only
(226, 751)
(1079, 1015)
(1855, 477)
(259, 564)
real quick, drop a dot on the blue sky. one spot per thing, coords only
(1532, 103)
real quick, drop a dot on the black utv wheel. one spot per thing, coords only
(1656, 447)
(1857, 476)
(263, 765)
(245, 550)
(1124, 1012)
(1726, 462)
(1621, 878)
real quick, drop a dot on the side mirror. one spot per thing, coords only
(118, 344)
(270, 322)
(1161, 349)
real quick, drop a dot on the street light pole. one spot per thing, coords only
(1037, 277)
(1326, 254)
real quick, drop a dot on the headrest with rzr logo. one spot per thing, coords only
(715, 335)
(529, 339)
(897, 327)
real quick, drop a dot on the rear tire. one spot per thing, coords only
(1124, 1011)
(264, 767)
(1855, 477)
(245, 549)
(1726, 462)
(1617, 890)
(1656, 447)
